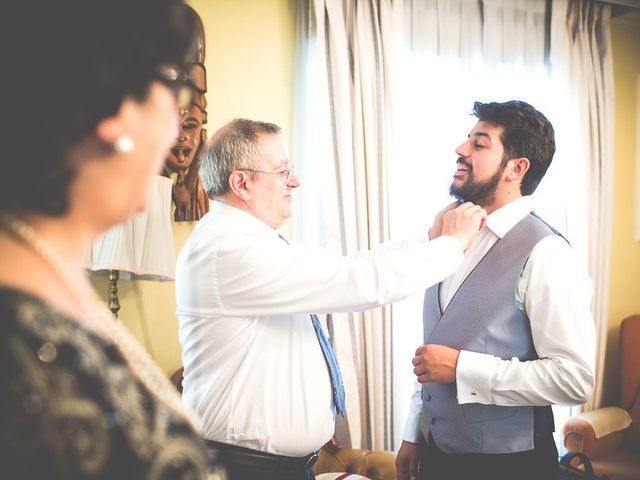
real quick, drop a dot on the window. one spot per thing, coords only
(436, 96)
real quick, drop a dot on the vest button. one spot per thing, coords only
(428, 397)
(432, 420)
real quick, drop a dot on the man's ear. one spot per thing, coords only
(517, 167)
(238, 185)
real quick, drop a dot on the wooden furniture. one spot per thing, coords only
(372, 464)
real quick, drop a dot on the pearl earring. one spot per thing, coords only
(123, 144)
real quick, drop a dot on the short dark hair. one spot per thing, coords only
(525, 133)
(233, 146)
(73, 62)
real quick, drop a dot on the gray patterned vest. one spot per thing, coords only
(483, 317)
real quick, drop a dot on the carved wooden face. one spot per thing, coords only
(189, 139)
(197, 53)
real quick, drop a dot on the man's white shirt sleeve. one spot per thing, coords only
(243, 295)
(412, 427)
(555, 292)
(273, 278)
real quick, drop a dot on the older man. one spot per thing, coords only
(259, 370)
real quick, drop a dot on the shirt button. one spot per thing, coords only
(474, 392)
(47, 352)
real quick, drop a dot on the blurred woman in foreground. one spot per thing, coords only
(92, 102)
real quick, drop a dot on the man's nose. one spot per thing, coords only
(294, 180)
(463, 149)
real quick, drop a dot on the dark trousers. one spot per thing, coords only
(247, 464)
(541, 463)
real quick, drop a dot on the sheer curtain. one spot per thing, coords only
(379, 124)
(488, 51)
(463, 50)
(581, 57)
(347, 122)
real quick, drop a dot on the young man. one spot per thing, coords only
(510, 332)
(258, 369)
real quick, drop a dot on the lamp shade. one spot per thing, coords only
(142, 247)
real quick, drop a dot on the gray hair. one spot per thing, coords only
(232, 147)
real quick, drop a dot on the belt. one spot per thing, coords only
(232, 454)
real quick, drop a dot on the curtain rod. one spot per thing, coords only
(635, 4)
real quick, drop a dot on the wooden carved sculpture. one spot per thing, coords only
(189, 198)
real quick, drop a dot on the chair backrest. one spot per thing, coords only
(630, 374)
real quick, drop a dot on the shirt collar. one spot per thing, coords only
(505, 218)
(248, 221)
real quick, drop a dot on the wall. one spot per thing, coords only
(624, 298)
(249, 62)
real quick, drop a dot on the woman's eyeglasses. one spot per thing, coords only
(177, 80)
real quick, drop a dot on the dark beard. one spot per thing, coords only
(480, 193)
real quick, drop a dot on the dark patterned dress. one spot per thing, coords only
(72, 409)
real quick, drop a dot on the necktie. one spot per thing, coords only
(332, 364)
(337, 387)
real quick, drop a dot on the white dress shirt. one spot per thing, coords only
(554, 291)
(254, 370)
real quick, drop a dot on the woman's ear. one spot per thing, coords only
(108, 130)
(111, 130)
(238, 185)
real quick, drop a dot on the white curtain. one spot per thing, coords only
(499, 31)
(581, 54)
(379, 123)
(499, 50)
(456, 52)
(347, 118)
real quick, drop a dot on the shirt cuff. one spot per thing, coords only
(412, 428)
(473, 377)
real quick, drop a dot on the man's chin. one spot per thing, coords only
(457, 193)
(285, 213)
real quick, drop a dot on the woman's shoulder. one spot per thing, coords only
(75, 409)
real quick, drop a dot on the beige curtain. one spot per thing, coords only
(352, 62)
(345, 116)
(581, 52)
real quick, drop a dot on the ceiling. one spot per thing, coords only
(626, 11)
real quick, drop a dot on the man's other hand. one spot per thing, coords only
(407, 461)
(435, 363)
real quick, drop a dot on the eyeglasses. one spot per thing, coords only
(197, 77)
(285, 174)
(177, 80)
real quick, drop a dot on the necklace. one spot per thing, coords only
(99, 320)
